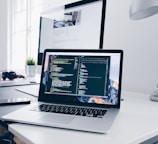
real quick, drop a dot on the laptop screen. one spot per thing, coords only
(87, 77)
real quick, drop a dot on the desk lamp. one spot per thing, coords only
(143, 8)
(140, 9)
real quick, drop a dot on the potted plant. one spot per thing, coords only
(30, 67)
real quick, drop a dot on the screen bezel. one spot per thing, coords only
(69, 100)
(71, 5)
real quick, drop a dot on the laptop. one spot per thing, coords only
(79, 90)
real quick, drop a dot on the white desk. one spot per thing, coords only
(137, 121)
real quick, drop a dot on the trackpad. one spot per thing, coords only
(63, 119)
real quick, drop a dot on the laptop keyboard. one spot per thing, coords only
(72, 110)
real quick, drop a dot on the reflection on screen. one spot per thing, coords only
(89, 78)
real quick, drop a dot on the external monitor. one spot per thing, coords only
(78, 25)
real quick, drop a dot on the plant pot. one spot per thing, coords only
(30, 70)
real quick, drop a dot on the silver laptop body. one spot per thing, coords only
(79, 90)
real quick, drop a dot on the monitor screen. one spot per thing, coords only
(84, 77)
(78, 25)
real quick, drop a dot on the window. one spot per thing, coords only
(25, 21)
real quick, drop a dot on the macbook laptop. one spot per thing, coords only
(79, 90)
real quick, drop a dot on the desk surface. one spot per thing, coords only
(137, 121)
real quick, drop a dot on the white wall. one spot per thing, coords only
(3, 34)
(139, 40)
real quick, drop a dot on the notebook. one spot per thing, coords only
(79, 90)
